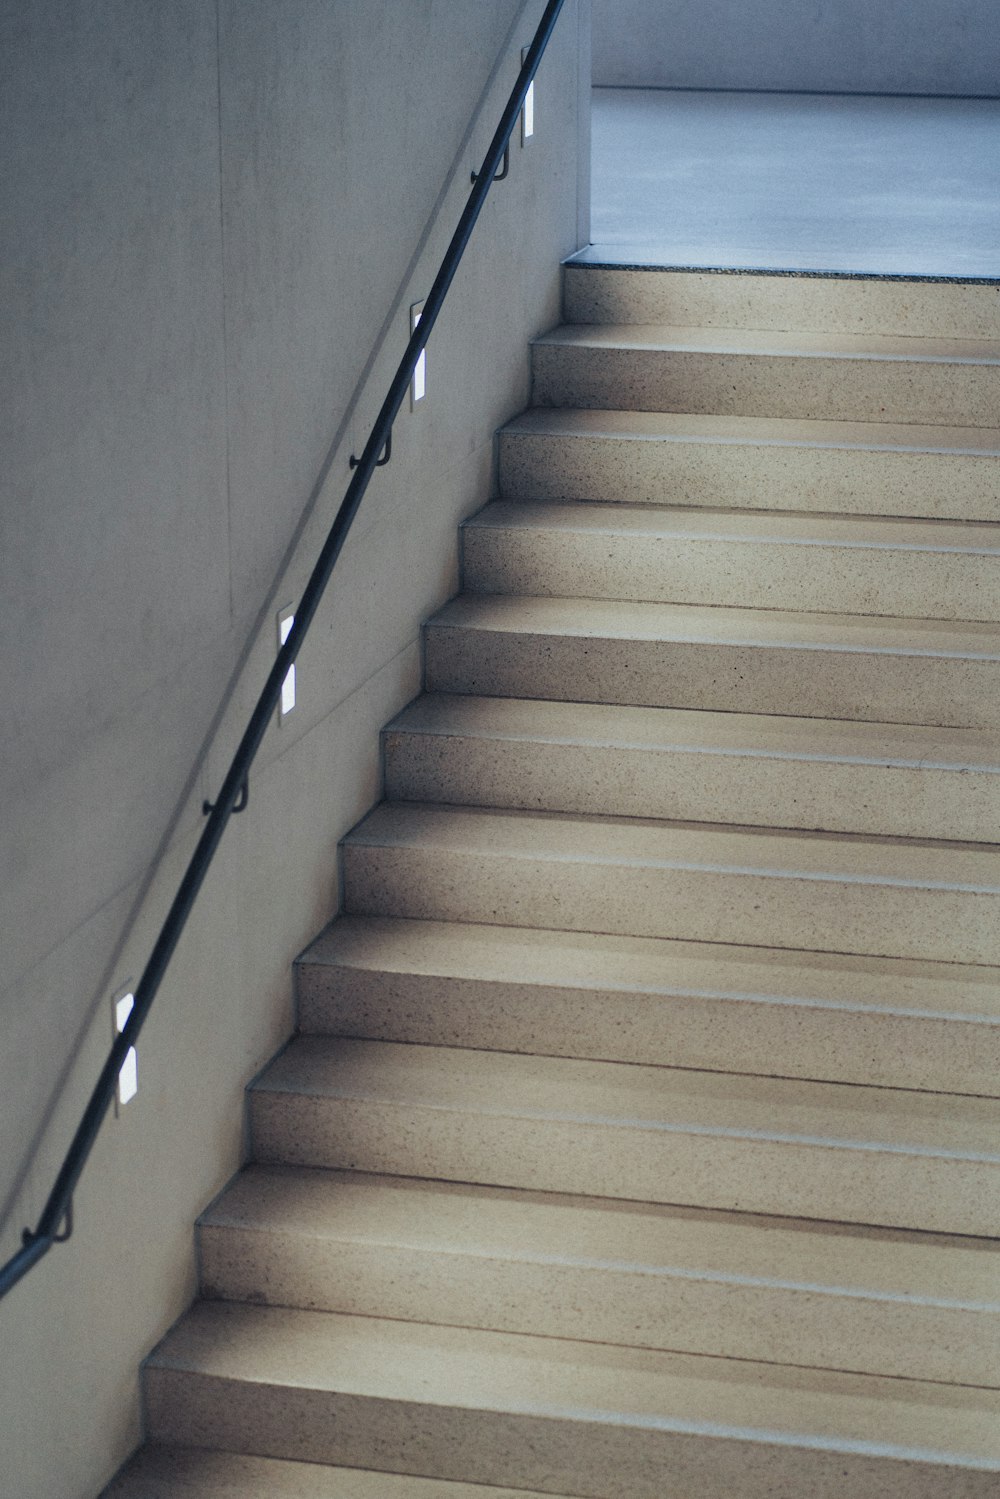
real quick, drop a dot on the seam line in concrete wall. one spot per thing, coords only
(225, 313)
(821, 93)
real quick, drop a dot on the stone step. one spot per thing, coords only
(751, 462)
(893, 306)
(878, 1021)
(734, 660)
(199, 1473)
(647, 1134)
(752, 769)
(567, 1418)
(915, 1306)
(836, 377)
(814, 892)
(947, 570)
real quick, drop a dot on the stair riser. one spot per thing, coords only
(555, 1454)
(745, 384)
(592, 1157)
(868, 686)
(702, 1032)
(560, 563)
(708, 904)
(749, 790)
(686, 471)
(683, 1313)
(777, 303)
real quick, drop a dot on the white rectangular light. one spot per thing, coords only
(418, 388)
(128, 1076)
(286, 619)
(528, 108)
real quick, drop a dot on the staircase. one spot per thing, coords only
(640, 1140)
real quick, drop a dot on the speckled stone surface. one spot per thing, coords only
(610, 1422)
(929, 569)
(668, 929)
(733, 660)
(649, 1134)
(768, 771)
(632, 999)
(189, 1473)
(829, 892)
(762, 463)
(885, 306)
(789, 1292)
(732, 373)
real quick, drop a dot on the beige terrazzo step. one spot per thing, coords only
(632, 999)
(828, 892)
(763, 463)
(193, 1473)
(886, 305)
(837, 377)
(649, 1134)
(915, 1306)
(947, 570)
(743, 768)
(564, 1418)
(734, 660)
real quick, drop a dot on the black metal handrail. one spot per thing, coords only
(58, 1210)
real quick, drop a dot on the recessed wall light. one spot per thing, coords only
(528, 108)
(286, 618)
(128, 1075)
(418, 386)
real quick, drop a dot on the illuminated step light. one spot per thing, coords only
(286, 619)
(418, 386)
(128, 1076)
(528, 108)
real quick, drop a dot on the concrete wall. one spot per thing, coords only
(855, 46)
(210, 211)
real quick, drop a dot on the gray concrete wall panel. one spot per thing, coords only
(212, 211)
(835, 46)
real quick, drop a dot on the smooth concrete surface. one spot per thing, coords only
(932, 570)
(633, 999)
(187, 1473)
(798, 182)
(212, 216)
(898, 46)
(501, 1409)
(857, 468)
(743, 768)
(719, 658)
(811, 1294)
(792, 375)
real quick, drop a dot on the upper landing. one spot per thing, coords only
(873, 185)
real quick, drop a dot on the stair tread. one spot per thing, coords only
(642, 620)
(628, 841)
(639, 1097)
(785, 528)
(661, 965)
(660, 426)
(196, 1473)
(547, 1377)
(502, 1223)
(673, 729)
(682, 339)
